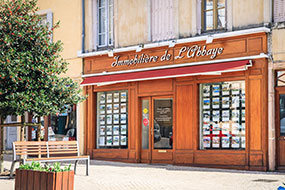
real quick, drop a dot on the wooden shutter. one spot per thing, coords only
(279, 10)
(162, 20)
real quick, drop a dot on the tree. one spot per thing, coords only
(31, 64)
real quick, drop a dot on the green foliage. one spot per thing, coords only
(56, 167)
(31, 64)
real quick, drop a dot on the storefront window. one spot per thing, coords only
(112, 119)
(222, 115)
(61, 127)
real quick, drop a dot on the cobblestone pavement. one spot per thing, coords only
(121, 176)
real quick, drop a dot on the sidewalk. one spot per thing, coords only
(122, 176)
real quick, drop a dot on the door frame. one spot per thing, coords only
(278, 92)
(151, 149)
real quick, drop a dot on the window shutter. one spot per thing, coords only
(162, 19)
(279, 10)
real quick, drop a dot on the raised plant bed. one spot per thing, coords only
(28, 179)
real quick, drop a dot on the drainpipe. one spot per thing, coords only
(271, 91)
(83, 27)
(271, 109)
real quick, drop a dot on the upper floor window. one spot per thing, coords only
(46, 19)
(105, 23)
(279, 10)
(213, 14)
(162, 20)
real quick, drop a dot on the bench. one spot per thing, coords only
(47, 151)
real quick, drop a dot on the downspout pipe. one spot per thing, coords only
(83, 27)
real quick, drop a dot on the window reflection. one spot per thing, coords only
(162, 124)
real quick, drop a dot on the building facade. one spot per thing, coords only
(177, 81)
(276, 87)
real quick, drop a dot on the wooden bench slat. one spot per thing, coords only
(75, 149)
(29, 143)
(22, 154)
(61, 146)
(26, 149)
(62, 142)
(56, 158)
(64, 152)
(29, 146)
(28, 153)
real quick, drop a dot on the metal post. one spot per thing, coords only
(1, 146)
(39, 129)
(22, 133)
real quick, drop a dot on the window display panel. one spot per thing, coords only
(112, 119)
(222, 115)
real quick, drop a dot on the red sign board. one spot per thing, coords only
(145, 122)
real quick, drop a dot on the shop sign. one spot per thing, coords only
(145, 122)
(189, 52)
(145, 110)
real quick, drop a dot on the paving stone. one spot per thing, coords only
(124, 176)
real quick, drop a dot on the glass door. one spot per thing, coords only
(162, 124)
(145, 125)
(156, 115)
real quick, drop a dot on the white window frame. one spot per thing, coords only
(49, 15)
(107, 32)
(215, 16)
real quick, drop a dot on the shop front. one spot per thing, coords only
(192, 104)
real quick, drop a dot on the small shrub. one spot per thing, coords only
(56, 167)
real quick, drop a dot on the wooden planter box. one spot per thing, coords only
(37, 180)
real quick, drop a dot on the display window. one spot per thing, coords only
(61, 127)
(222, 117)
(112, 119)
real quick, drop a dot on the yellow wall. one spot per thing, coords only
(131, 22)
(68, 12)
(278, 44)
(247, 12)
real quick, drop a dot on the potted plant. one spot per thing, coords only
(34, 176)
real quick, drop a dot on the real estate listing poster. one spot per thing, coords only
(206, 142)
(225, 142)
(235, 142)
(216, 142)
(216, 90)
